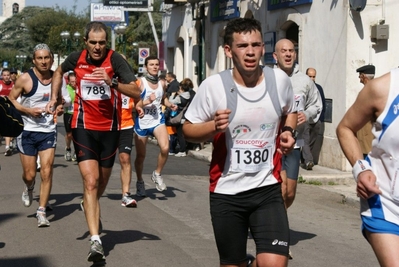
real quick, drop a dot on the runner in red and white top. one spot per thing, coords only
(101, 76)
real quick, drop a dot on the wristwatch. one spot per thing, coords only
(293, 132)
(114, 83)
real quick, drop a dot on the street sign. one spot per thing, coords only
(143, 54)
(132, 5)
(102, 13)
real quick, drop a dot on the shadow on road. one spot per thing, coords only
(151, 194)
(296, 236)
(23, 262)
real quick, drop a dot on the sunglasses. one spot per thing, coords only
(97, 42)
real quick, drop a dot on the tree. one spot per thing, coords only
(140, 31)
(20, 33)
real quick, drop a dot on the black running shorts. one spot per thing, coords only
(97, 145)
(261, 211)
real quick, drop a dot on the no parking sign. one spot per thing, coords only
(143, 54)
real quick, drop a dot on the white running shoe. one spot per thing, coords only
(68, 155)
(96, 252)
(41, 218)
(157, 179)
(128, 201)
(180, 154)
(27, 195)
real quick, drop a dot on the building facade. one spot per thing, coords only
(334, 37)
(11, 7)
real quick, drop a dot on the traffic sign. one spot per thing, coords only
(143, 54)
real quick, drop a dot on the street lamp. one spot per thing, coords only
(68, 42)
(121, 30)
(20, 60)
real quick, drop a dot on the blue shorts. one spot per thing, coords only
(378, 225)
(145, 132)
(30, 143)
(291, 164)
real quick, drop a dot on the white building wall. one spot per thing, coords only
(7, 7)
(332, 38)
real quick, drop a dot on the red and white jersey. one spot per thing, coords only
(5, 89)
(97, 106)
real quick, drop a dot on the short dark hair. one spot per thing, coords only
(240, 25)
(5, 69)
(171, 74)
(71, 74)
(186, 84)
(95, 26)
(150, 58)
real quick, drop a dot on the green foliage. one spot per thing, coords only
(20, 33)
(33, 25)
(140, 31)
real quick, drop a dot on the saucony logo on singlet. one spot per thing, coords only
(253, 142)
(83, 66)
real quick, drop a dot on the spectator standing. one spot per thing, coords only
(39, 136)
(314, 132)
(173, 84)
(182, 100)
(6, 84)
(365, 136)
(101, 76)
(308, 103)
(376, 175)
(243, 117)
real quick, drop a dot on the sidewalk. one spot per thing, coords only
(328, 179)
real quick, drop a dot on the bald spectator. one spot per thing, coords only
(314, 132)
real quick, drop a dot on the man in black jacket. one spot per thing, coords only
(173, 84)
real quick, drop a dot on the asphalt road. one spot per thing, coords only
(170, 228)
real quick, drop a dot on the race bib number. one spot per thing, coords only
(125, 101)
(251, 156)
(95, 90)
(299, 102)
(152, 111)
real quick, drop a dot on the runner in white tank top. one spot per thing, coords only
(378, 176)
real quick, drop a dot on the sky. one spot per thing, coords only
(81, 4)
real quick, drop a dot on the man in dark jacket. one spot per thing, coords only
(173, 84)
